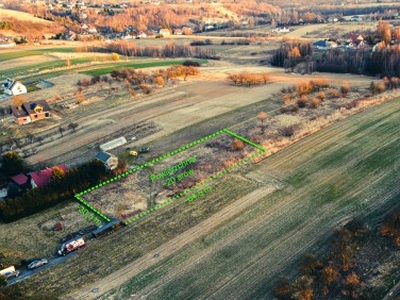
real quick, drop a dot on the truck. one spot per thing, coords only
(107, 228)
(71, 245)
(7, 270)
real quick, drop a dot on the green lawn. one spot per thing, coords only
(136, 65)
(24, 53)
(24, 71)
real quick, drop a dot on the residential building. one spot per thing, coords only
(324, 45)
(165, 31)
(13, 87)
(43, 177)
(109, 160)
(31, 111)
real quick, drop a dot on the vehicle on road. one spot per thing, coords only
(71, 245)
(37, 263)
(7, 270)
(133, 153)
(144, 150)
(107, 228)
(10, 275)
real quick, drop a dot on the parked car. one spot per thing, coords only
(37, 263)
(71, 245)
(144, 150)
(12, 274)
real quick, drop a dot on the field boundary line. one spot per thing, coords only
(261, 149)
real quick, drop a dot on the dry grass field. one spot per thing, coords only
(256, 222)
(148, 188)
(345, 170)
(8, 13)
(34, 236)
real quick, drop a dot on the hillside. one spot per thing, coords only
(22, 16)
(21, 23)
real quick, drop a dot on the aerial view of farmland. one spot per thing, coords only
(190, 149)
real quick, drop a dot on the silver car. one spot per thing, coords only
(37, 263)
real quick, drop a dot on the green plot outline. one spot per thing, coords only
(261, 149)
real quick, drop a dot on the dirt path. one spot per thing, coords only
(116, 279)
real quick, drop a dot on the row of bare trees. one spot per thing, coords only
(138, 79)
(169, 50)
(249, 79)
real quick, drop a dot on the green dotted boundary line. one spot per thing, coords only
(158, 159)
(84, 203)
(191, 189)
(259, 147)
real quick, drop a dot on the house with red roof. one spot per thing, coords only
(42, 177)
(22, 181)
(355, 41)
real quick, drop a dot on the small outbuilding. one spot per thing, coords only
(113, 144)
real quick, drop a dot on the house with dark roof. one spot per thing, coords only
(43, 177)
(31, 111)
(322, 45)
(109, 160)
(13, 87)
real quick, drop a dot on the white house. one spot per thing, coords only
(141, 34)
(109, 160)
(356, 19)
(13, 87)
(165, 31)
(5, 44)
(281, 30)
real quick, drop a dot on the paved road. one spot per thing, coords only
(26, 273)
